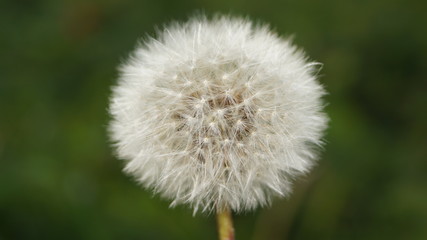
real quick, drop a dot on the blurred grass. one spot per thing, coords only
(59, 179)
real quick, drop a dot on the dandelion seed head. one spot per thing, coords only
(217, 113)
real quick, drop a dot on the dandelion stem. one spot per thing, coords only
(225, 225)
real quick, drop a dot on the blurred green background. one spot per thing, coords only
(60, 180)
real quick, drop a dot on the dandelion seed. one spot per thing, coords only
(244, 117)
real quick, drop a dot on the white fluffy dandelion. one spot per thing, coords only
(217, 114)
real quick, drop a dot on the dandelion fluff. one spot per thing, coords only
(217, 113)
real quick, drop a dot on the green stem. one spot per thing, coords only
(225, 225)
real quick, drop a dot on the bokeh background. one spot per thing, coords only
(60, 180)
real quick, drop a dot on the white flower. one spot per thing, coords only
(217, 113)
